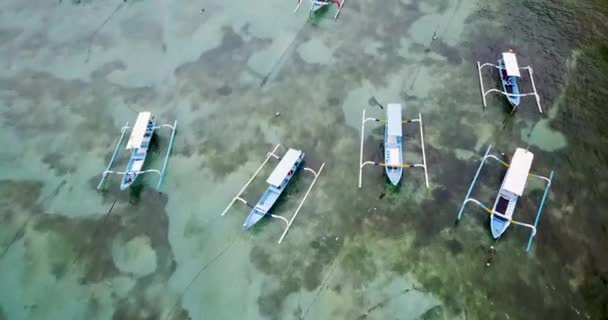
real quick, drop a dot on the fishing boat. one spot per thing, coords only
(138, 144)
(509, 73)
(139, 141)
(509, 76)
(511, 189)
(393, 144)
(277, 181)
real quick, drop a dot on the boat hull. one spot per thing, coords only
(503, 210)
(269, 198)
(138, 157)
(127, 179)
(498, 226)
(394, 174)
(254, 217)
(510, 85)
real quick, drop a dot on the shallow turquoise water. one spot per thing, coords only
(74, 73)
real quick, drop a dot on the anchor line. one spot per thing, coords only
(94, 234)
(530, 133)
(382, 303)
(16, 237)
(321, 288)
(22, 228)
(98, 29)
(282, 57)
(451, 16)
(200, 271)
(419, 66)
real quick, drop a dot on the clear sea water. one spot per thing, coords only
(72, 73)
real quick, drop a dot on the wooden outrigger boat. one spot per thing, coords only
(509, 72)
(278, 180)
(512, 188)
(138, 144)
(393, 146)
(316, 5)
(509, 75)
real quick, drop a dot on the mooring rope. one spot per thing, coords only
(94, 234)
(200, 271)
(433, 38)
(282, 57)
(321, 287)
(92, 38)
(16, 236)
(383, 302)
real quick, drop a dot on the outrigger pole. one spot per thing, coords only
(316, 175)
(123, 131)
(238, 195)
(161, 173)
(405, 166)
(289, 222)
(485, 93)
(468, 198)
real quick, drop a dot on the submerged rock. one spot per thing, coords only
(434, 313)
(135, 256)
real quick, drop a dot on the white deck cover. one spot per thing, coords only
(139, 129)
(393, 154)
(393, 117)
(511, 64)
(286, 163)
(515, 179)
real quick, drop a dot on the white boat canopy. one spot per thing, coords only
(393, 115)
(139, 129)
(515, 179)
(280, 172)
(511, 64)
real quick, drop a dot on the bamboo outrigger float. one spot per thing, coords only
(509, 77)
(393, 145)
(513, 185)
(138, 144)
(278, 180)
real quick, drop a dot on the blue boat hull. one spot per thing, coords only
(131, 175)
(268, 199)
(254, 217)
(509, 85)
(498, 226)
